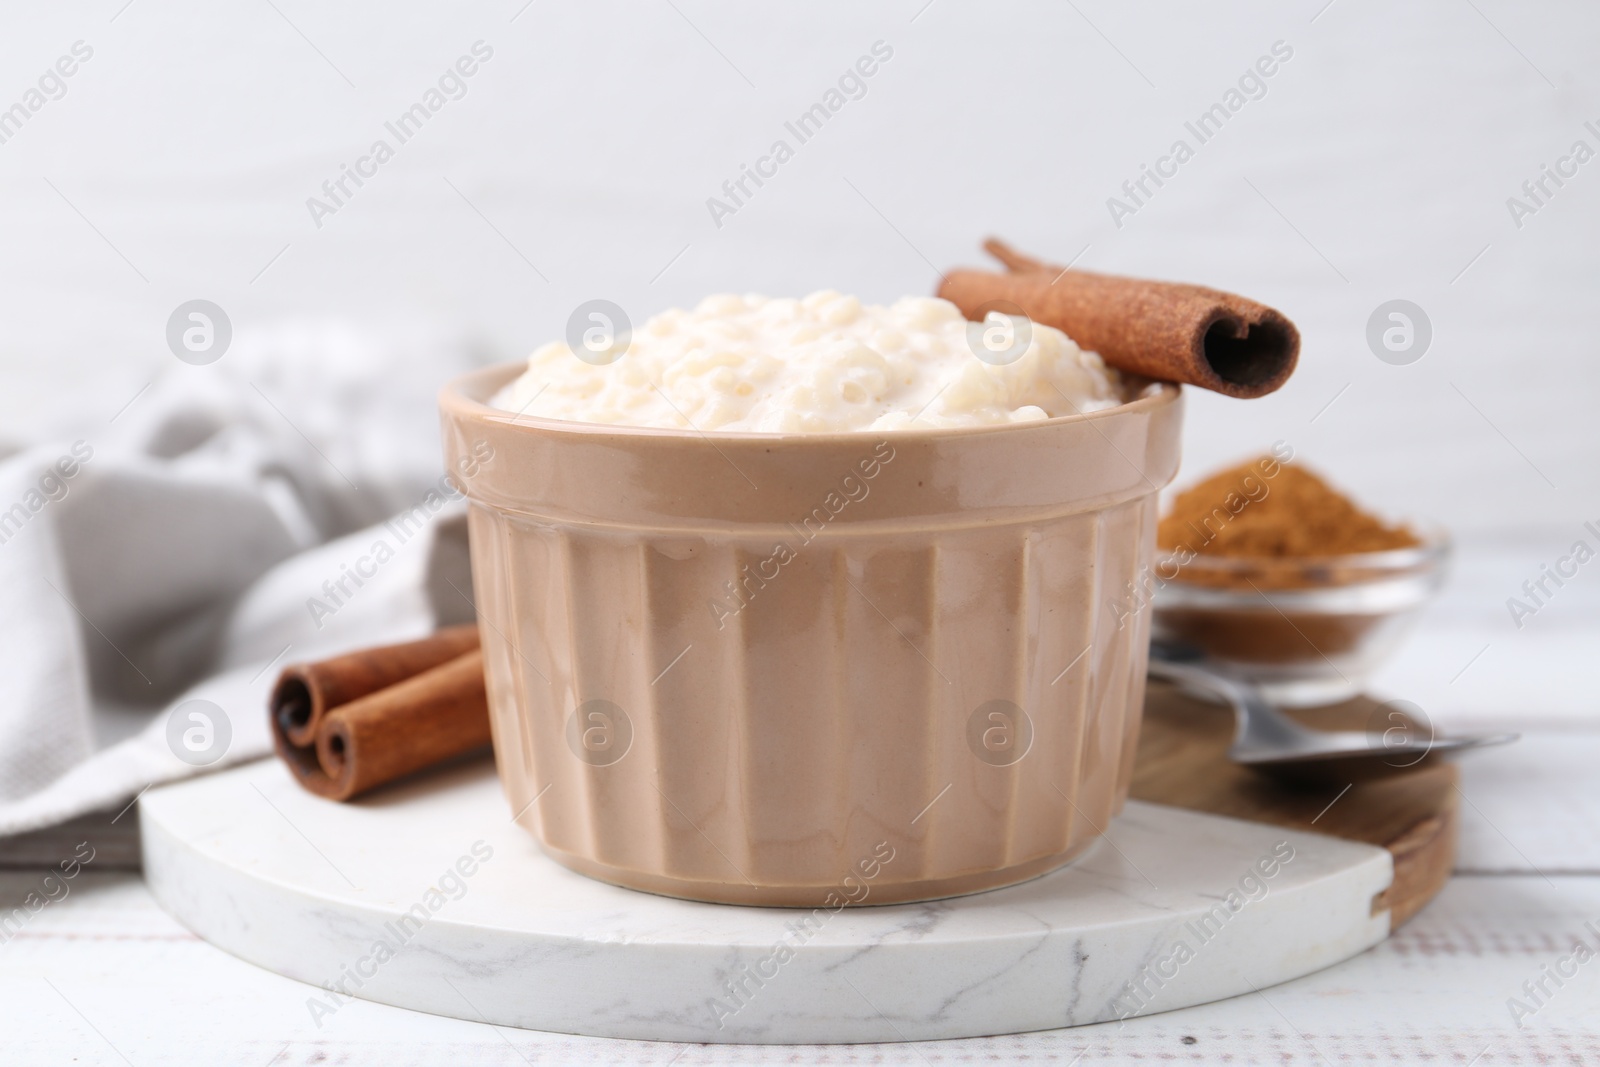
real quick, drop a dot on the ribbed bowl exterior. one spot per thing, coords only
(808, 671)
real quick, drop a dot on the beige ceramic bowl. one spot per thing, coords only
(813, 669)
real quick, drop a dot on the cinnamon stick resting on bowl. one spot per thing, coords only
(352, 723)
(1163, 330)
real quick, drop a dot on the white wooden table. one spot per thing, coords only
(104, 976)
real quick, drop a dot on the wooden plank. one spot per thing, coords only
(1532, 807)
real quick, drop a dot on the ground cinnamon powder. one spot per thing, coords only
(1265, 508)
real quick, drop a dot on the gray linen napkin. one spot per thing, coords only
(286, 502)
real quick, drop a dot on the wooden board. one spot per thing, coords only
(1183, 761)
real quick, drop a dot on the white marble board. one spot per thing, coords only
(311, 889)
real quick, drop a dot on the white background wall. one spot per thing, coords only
(1377, 166)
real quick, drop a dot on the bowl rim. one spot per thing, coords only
(1434, 548)
(456, 400)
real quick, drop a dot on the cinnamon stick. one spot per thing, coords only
(1163, 330)
(416, 723)
(372, 716)
(305, 691)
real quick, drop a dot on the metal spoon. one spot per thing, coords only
(1267, 740)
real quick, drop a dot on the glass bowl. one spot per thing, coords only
(1309, 630)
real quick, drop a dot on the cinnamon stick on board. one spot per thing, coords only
(421, 721)
(1163, 330)
(305, 691)
(381, 713)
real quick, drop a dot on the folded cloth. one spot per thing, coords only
(286, 502)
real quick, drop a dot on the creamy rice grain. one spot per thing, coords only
(822, 364)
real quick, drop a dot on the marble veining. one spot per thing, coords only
(311, 889)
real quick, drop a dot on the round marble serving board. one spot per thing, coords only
(319, 891)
